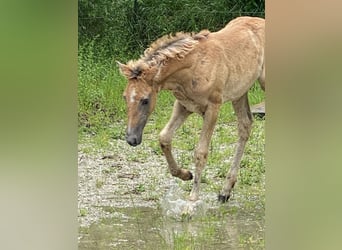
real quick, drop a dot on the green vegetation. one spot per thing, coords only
(123, 28)
(83, 212)
(99, 183)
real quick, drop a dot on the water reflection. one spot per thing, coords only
(148, 228)
(213, 225)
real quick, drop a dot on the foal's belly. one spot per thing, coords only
(192, 107)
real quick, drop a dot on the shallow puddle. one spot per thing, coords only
(222, 227)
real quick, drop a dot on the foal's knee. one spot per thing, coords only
(164, 140)
(201, 156)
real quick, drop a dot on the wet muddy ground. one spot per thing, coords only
(128, 200)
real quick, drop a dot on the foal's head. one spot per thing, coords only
(140, 96)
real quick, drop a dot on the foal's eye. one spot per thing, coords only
(144, 101)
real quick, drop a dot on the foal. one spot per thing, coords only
(203, 71)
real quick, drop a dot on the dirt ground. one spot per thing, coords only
(114, 177)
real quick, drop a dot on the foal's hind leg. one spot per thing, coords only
(178, 117)
(244, 117)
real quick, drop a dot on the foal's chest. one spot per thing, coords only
(189, 102)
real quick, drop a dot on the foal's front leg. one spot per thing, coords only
(178, 117)
(201, 153)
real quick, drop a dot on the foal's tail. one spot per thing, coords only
(261, 79)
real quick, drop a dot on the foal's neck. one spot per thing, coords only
(168, 74)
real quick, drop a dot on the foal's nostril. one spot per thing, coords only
(132, 140)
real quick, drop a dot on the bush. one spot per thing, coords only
(124, 28)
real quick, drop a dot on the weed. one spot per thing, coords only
(248, 241)
(139, 189)
(83, 212)
(183, 240)
(99, 183)
(109, 209)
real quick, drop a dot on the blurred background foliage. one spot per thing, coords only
(124, 28)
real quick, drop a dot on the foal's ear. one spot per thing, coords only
(129, 71)
(125, 70)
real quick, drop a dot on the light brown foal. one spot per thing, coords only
(203, 71)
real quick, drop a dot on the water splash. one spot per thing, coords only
(176, 206)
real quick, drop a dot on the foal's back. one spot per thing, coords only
(238, 55)
(247, 31)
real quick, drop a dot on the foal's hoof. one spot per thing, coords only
(223, 198)
(186, 175)
(190, 176)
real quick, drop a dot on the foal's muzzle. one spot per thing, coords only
(134, 133)
(133, 139)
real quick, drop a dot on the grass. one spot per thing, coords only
(83, 212)
(100, 103)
